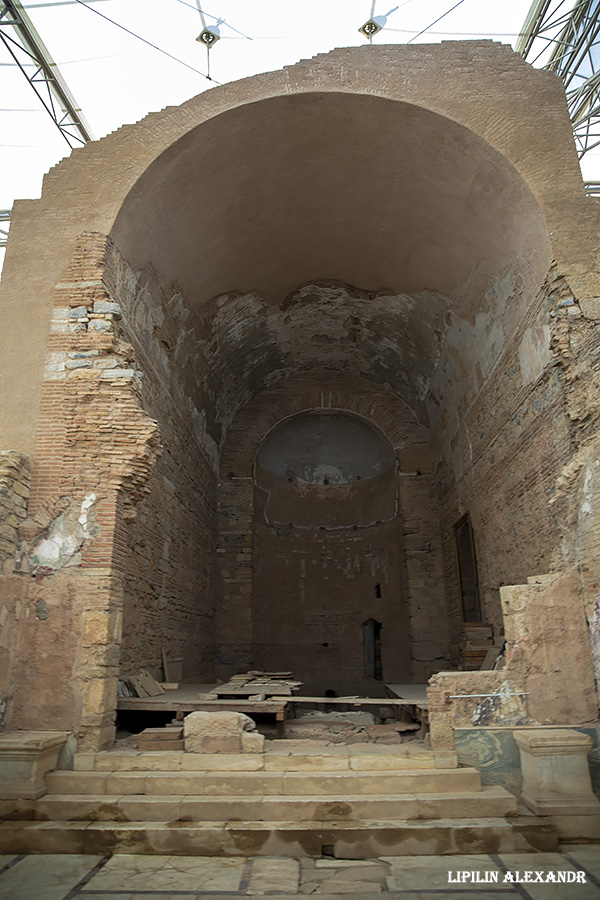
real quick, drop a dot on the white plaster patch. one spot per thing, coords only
(86, 506)
(594, 624)
(534, 353)
(59, 547)
(55, 362)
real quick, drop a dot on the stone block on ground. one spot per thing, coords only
(253, 742)
(220, 732)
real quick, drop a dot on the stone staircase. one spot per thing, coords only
(299, 798)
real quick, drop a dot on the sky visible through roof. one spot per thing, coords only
(118, 79)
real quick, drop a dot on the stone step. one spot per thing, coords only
(252, 783)
(491, 801)
(282, 755)
(292, 839)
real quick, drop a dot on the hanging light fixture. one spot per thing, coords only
(375, 24)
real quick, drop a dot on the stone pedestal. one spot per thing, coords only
(556, 775)
(25, 757)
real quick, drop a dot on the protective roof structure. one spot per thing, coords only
(563, 36)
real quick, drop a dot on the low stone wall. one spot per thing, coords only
(495, 753)
(548, 651)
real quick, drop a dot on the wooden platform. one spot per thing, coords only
(186, 699)
(412, 693)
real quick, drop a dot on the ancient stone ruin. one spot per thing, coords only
(303, 375)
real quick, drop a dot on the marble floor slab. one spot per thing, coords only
(132, 872)
(45, 877)
(145, 877)
(588, 857)
(273, 875)
(432, 873)
(544, 863)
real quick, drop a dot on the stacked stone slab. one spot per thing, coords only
(293, 800)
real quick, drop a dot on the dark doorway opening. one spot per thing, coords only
(466, 563)
(372, 650)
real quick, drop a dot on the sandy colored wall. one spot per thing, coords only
(548, 675)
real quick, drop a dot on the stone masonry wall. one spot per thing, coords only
(114, 524)
(314, 589)
(15, 479)
(416, 597)
(514, 440)
(94, 450)
(432, 614)
(169, 578)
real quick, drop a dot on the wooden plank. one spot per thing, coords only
(354, 701)
(166, 670)
(490, 658)
(246, 690)
(153, 704)
(172, 666)
(137, 685)
(151, 685)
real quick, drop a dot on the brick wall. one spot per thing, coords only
(170, 528)
(15, 478)
(519, 436)
(117, 545)
(261, 568)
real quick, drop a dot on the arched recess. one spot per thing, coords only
(293, 576)
(328, 553)
(464, 240)
(338, 230)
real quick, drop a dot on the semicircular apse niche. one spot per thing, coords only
(329, 554)
(326, 468)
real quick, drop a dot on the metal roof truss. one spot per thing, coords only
(24, 44)
(563, 36)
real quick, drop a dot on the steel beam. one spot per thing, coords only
(4, 218)
(25, 46)
(565, 36)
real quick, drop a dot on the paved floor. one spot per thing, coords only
(576, 872)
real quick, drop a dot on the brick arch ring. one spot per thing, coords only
(354, 395)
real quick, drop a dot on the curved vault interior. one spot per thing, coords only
(339, 231)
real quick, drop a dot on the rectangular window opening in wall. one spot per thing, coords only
(466, 564)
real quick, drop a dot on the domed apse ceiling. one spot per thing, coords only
(426, 222)
(374, 193)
